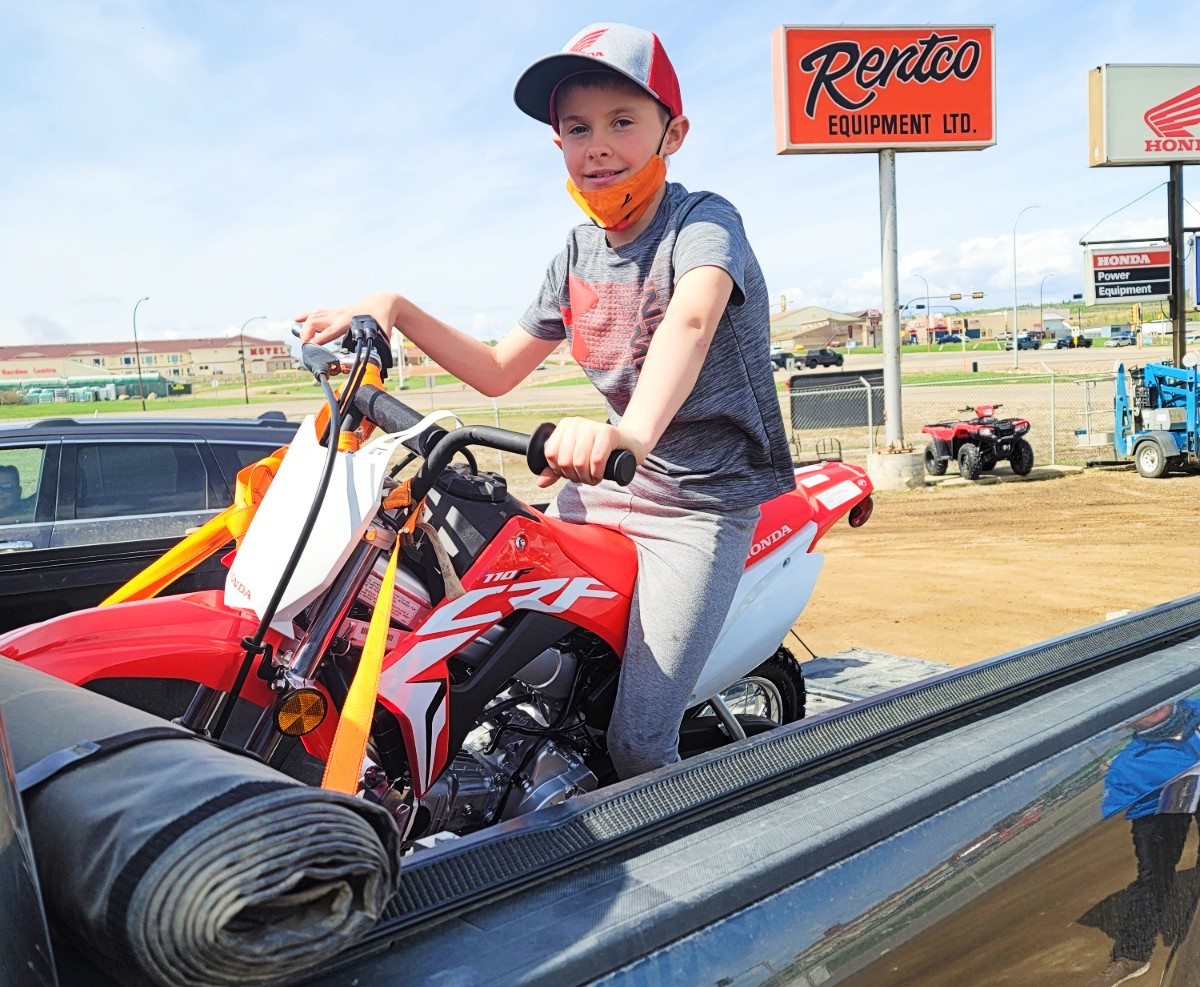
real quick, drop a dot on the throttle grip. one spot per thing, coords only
(621, 465)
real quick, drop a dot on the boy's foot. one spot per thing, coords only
(1118, 971)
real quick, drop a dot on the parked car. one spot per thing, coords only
(1024, 343)
(1072, 342)
(822, 358)
(951, 337)
(1121, 339)
(782, 359)
(98, 499)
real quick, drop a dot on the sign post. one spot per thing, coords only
(884, 89)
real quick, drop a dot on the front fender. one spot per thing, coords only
(193, 637)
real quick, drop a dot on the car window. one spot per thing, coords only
(233, 456)
(119, 479)
(20, 480)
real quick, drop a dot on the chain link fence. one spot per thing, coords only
(1070, 415)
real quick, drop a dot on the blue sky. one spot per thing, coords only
(239, 159)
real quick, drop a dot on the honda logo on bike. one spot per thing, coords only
(773, 538)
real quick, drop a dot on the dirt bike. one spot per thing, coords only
(491, 671)
(978, 444)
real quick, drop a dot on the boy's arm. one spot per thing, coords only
(492, 370)
(579, 448)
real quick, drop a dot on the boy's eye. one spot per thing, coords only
(576, 130)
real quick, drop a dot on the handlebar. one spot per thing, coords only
(439, 446)
(435, 444)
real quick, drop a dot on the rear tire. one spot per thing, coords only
(1150, 461)
(1021, 459)
(934, 466)
(774, 690)
(970, 462)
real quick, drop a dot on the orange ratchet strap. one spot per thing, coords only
(345, 764)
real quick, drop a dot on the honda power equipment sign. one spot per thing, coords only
(1137, 273)
(1144, 114)
(840, 88)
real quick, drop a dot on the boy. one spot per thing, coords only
(666, 311)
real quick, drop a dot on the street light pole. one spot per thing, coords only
(1041, 316)
(1016, 346)
(928, 333)
(242, 351)
(137, 353)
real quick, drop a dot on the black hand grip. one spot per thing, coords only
(317, 360)
(393, 415)
(621, 465)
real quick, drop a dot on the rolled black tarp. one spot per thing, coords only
(173, 861)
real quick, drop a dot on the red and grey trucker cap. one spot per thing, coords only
(629, 51)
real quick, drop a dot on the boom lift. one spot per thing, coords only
(1157, 424)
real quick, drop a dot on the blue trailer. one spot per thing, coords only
(1156, 424)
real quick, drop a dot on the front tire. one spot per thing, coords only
(1150, 461)
(934, 466)
(1021, 459)
(970, 462)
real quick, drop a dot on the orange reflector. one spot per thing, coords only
(300, 712)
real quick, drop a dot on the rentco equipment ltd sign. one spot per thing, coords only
(1140, 273)
(1143, 114)
(841, 88)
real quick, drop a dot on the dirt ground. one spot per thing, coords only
(957, 575)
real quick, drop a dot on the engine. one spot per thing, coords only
(526, 753)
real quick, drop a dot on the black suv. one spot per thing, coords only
(86, 504)
(822, 358)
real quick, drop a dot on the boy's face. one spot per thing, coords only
(608, 133)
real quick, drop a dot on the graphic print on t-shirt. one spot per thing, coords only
(612, 324)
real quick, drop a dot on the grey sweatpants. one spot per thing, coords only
(689, 563)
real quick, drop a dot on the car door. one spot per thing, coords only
(121, 503)
(26, 522)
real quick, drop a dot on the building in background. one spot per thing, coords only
(193, 360)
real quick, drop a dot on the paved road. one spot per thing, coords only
(915, 359)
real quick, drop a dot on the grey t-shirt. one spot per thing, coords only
(726, 447)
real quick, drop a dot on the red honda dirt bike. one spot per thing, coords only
(490, 673)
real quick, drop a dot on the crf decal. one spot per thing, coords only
(544, 595)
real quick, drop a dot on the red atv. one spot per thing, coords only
(978, 443)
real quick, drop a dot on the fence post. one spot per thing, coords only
(1053, 422)
(496, 413)
(870, 416)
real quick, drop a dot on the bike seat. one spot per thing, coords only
(606, 554)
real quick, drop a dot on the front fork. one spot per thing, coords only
(298, 668)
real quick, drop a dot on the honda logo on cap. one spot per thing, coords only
(585, 44)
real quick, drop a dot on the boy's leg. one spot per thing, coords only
(689, 564)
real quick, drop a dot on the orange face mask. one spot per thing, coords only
(620, 206)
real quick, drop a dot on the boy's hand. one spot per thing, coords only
(579, 448)
(320, 325)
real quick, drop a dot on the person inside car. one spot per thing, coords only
(13, 508)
